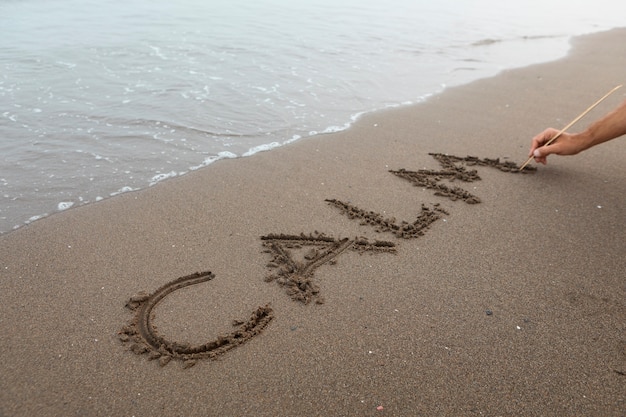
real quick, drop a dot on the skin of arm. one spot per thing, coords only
(609, 127)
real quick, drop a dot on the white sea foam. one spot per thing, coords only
(261, 148)
(125, 189)
(34, 218)
(64, 205)
(160, 177)
(211, 159)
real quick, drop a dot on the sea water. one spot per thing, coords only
(102, 97)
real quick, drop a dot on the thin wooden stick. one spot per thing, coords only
(572, 123)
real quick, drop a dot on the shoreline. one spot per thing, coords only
(512, 306)
(78, 201)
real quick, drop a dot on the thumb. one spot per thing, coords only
(539, 153)
(546, 150)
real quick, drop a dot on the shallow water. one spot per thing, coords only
(99, 98)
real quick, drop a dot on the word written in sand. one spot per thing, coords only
(295, 259)
(452, 171)
(403, 230)
(142, 337)
(313, 250)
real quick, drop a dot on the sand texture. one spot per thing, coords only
(402, 267)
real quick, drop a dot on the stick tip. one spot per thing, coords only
(525, 163)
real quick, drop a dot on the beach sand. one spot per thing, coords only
(513, 306)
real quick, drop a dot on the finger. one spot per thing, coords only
(539, 156)
(534, 144)
(540, 140)
(534, 147)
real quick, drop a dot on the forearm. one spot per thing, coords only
(611, 126)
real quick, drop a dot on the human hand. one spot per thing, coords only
(565, 144)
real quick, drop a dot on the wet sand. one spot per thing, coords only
(487, 293)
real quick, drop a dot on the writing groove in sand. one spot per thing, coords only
(313, 251)
(404, 230)
(453, 169)
(142, 337)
